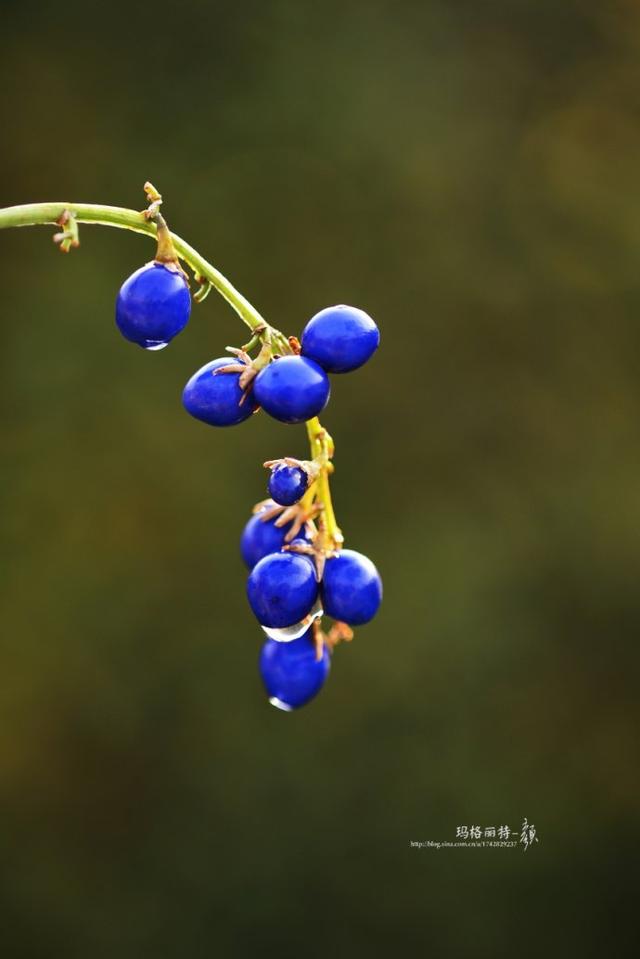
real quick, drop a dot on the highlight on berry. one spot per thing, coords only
(299, 570)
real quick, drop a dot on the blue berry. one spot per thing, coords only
(153, 305)
(262, 537)
(291, 673)
(215, 398)
(351, 588)
(282, 589)
(292, 389)
(287, 484)
(340, 338)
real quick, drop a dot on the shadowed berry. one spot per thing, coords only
(351, 588)
(153, 305)
(215, 398)
(292, 389)
(291, 673)
(287, 484)
(282, 589)
(262, 537)
(340, 338)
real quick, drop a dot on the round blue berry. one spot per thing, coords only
(340, 338)
(291, 673)
(287, 484)
(215, 398)
(153, 305)
(282, 589)
(351, 588)
(292, 389)
(261, 537)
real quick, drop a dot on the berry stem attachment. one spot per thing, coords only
(165, 252)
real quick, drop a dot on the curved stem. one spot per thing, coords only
(42, 214)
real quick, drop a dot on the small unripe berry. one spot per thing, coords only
(287, 484)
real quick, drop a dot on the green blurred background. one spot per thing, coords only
(467, 172)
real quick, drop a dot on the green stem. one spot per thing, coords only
(321, 446)
(42, 214)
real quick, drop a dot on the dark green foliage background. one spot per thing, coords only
(466, 171)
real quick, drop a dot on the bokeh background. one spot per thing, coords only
(467, 172)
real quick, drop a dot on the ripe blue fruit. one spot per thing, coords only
(287, 484)
(292, 389)
(282, 589)
(340, 338)
(291, 673)
(351, 588)
(215, 398)
(262, 537)
(153, 305)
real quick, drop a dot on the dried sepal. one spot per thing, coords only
(310, 467)
(298, 515)
(68, 239)
(246, 369)
(339, 633)
(154, 199)
(317, 553)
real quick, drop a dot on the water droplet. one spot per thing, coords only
(280, 704)
(290, 633)
(154, 345)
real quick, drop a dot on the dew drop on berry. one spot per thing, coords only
(289, 633)
(279, 704)
(154, 345)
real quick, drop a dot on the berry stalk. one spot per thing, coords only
(292, 545)
(144, 222)
(322, 448)
(59, 213)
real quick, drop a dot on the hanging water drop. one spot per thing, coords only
(280, 704)
(289, 633)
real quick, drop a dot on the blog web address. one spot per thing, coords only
(484, 837)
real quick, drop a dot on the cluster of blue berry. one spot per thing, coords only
(296, 387)
(292, 544)
(293, 581)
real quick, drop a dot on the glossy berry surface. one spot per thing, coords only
(287, 484)
(262, 537)
(282, 589)
(351, 588)
(340, 338)
(215, 398)
(290, 672)
(153, 306)
(292, 389)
